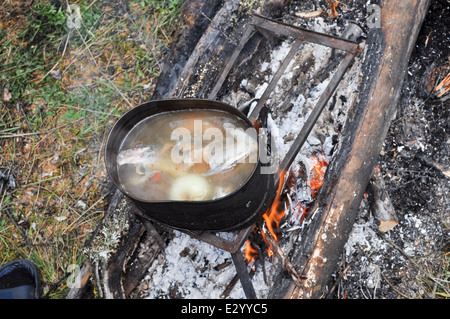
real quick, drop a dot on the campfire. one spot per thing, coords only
(283, 203)
(261, 236)
(302, 95)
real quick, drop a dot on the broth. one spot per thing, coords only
(188, 155)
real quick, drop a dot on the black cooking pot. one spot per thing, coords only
(234, 211)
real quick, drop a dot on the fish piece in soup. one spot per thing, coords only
(137, 155)
(239, 145)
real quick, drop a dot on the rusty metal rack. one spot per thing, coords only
(270, 29)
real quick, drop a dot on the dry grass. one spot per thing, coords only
(61, 89)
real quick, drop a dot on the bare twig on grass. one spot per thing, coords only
(20, 135)
(60, 59)
(24, 236)
(20, 108)
(38, 133)
(395, 289)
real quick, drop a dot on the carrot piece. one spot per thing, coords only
(156, 178)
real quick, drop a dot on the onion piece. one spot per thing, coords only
(191, 187)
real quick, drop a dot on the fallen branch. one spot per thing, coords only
(312, 14)
(286, 264)
(439, 167)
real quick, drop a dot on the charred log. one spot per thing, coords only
(196, 18)
(332, 218)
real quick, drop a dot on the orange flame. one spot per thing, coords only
(317, 176)
(274, 214)
(250, 252)
(269, 246)
(272, 217)
(276, 211)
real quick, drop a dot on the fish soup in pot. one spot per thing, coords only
(190, 164)
(187, 155)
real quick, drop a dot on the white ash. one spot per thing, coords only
(193, 269)
(364, 237)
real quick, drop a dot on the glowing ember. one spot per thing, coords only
(317, 174)
(300, 212)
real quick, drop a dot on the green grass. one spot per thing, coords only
(61, 89)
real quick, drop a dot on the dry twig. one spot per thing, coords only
(285, 262)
